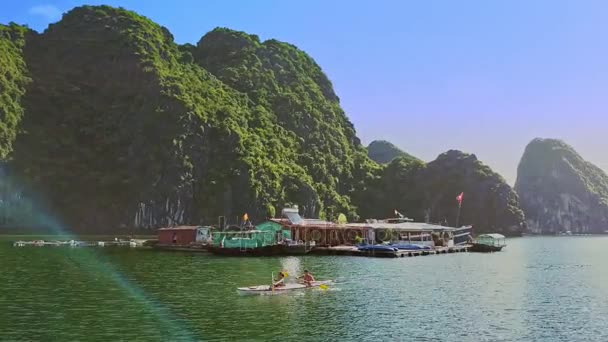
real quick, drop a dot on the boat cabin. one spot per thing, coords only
(488, 243)
(407, 232)
(184, 235)
(494, 240)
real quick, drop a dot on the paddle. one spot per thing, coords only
(323, 287)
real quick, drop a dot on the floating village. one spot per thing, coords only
(293, 235)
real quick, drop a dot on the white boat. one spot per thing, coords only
(265, 289)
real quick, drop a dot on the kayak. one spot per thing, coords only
(263, 289)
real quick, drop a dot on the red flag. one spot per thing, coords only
(459, 198)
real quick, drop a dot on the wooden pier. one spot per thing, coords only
(352, 250)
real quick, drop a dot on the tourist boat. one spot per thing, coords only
(266, 289)
(462, 235)
(488, 243)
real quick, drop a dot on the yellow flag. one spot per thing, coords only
(245, 217)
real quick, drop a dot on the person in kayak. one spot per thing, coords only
(307, 277)
(280, 281)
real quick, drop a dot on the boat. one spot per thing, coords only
(266, 289)
(486, 243)
(462, 235)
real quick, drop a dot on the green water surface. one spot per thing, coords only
(537, 289)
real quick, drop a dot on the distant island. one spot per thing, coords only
(107, 123)
(560, 191)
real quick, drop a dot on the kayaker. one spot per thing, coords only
(307, 277)
(280, 281)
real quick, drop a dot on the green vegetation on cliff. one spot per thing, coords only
(122, 127)
(293, 89)
(560, 191)
(382, 151)
(423, 191)
(13, 80)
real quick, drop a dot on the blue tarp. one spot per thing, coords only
(411, 246)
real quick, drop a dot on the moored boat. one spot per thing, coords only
(486, 243)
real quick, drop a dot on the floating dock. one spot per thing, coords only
(318, 250)
(76, 243)
(401, 253)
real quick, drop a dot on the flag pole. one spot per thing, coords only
(459, 198)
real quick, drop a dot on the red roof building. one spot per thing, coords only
(183, 235)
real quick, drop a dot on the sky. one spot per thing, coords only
(484, 77)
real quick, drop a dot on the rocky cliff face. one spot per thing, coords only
(560, 191)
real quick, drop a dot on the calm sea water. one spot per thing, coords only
(538, 289)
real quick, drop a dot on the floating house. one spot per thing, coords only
(264, 239)
(320, 232)
(183, 236)
(397, 231)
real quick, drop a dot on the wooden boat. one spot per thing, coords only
(266, 289)
(486, 243)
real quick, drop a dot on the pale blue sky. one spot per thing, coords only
(481, 76)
